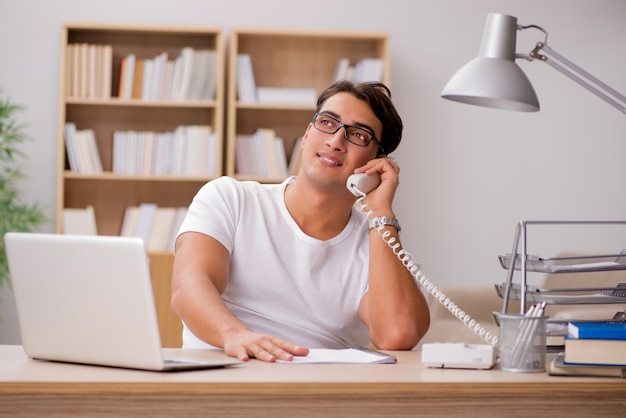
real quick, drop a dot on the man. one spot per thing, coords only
(269, 271)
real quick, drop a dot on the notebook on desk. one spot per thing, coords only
(88, 299)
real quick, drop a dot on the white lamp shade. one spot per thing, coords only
(493, 79)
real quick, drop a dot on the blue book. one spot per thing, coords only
(597, 330)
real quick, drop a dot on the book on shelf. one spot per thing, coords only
(282, 166)
(246, 85)
(138, 79)
(210, 81)
(243, 153)
(91, 70)
(199, 69)
(71, 71)
(203, 79)
(71, 146)
(157, 79)
(129, 222)
(107, 71)
(145, 218)
(201, 151)
(88, 151)
(79, 221)
(558, 367)
(595, 351)
(610, 330)
(158, 238)
(127, 73)
(82, 150)
(83, 73)
(342, 70)
(169, 80)
(148, 79)
(274, 151)
(144, 82)
(274, 161)
(186, 68)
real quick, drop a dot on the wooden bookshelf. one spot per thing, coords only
(296, 59)
(110, 193)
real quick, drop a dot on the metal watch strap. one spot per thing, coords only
(384, 220)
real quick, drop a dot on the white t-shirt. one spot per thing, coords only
(282, 281)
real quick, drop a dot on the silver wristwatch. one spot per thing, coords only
(384, 220)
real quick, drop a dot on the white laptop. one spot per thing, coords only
(88, 299)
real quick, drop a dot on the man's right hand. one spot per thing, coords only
(247, 344)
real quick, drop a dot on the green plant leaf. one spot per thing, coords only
(15, 214)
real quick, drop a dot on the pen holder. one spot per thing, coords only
(522, 343)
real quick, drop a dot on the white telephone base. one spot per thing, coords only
(459, 355)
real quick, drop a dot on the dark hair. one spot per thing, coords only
(378, 96)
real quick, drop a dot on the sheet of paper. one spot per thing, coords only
(346, 355)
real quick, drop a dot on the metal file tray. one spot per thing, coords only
(525, 263)
(576, 264)
(566, 296)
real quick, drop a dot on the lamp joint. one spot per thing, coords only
(534, 54)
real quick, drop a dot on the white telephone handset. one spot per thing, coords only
(359, 185)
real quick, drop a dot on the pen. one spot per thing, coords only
(527, 336)
(518, 341)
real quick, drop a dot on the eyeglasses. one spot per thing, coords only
(353, 134)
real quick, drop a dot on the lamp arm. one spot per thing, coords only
(580, 76)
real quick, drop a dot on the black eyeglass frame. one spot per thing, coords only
(345, 132)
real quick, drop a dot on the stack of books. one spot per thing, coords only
(367, 69)
(80, 221)
(592, 349)
(157, 226)
(187, 151)
(261, 154)
(189, 76)
(88, 71)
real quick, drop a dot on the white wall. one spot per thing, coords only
(468, 174)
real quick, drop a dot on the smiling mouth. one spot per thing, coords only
(330, 161)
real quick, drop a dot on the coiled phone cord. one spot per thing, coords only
(415, 269)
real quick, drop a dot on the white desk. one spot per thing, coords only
(38, 388)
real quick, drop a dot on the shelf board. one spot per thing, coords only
(276, 106)
(114, 101)
(108, 176)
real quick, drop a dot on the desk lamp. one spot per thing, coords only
(494, 80)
